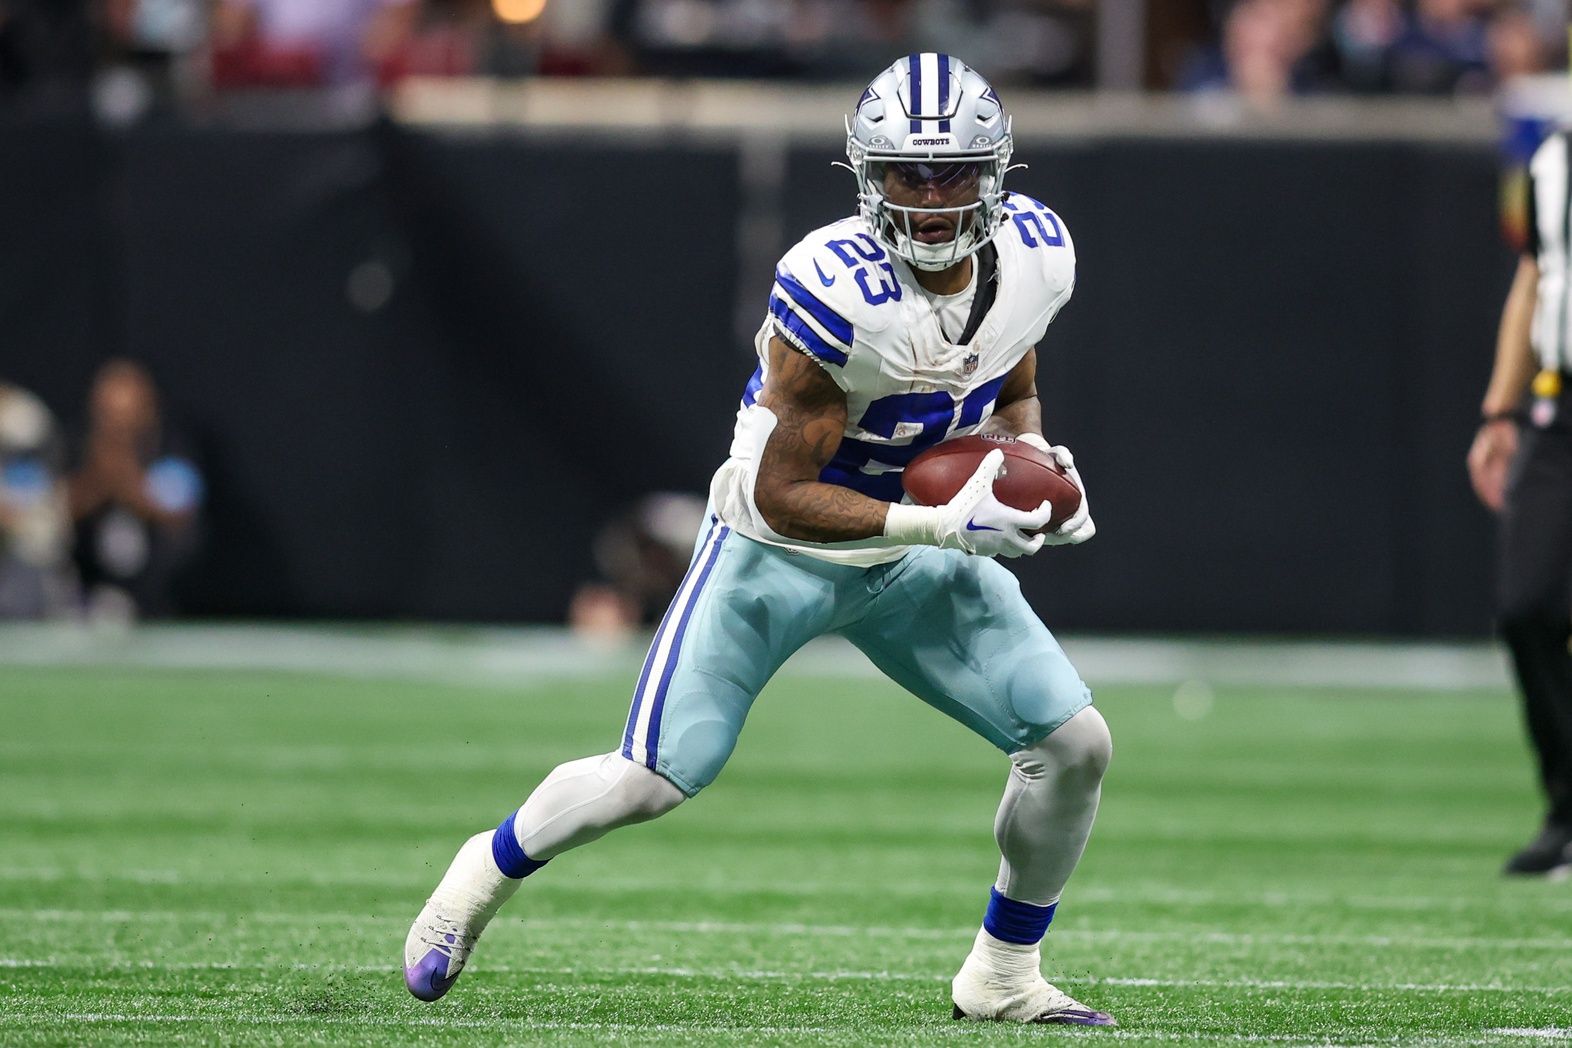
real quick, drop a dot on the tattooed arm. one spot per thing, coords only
(810, 414)
(1018, 410)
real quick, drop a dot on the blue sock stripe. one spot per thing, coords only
(509, 856)
(1017, 922)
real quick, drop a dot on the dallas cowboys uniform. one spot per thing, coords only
(949, 626)
(860, 313)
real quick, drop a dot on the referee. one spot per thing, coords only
(1521, 466)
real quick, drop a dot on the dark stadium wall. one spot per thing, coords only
(424, 367)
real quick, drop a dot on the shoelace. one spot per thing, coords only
(442, 929)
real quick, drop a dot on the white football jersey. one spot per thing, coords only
(859, 312)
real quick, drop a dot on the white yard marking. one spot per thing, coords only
(1545, 1033)
(515, 1025)
(1555, 944)
(1294, 900)
(511, 657)
(779, 975)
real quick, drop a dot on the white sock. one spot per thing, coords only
(1005, 962)
(1048, 808)
(473, 888)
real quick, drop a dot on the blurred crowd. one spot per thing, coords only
(96, 520)
(1258, 48)
(1266, 49)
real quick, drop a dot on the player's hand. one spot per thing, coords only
(1495, 445)
(978, 523)
(1079, 526)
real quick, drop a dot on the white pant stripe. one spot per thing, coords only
(660, 647)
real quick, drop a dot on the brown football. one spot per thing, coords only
(1029, 476)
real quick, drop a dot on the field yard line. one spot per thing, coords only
(791, 928)
(516, 1024)
(1549, 1033)
(1183, 897)
(383, 1022)
(506, 657)
(767, 974)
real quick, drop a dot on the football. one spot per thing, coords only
(1029, 476)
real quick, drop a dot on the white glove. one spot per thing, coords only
(973, 521)
(1079, 526)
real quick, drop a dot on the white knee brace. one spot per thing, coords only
(1049, 804)
(1080, 748)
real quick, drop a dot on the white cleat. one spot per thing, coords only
(1000, 982)
(442, 937)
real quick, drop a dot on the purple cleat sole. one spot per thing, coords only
(1066, 1017)
(428, 979)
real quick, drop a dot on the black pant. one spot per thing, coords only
(1535, 597)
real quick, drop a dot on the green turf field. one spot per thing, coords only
(233, 857)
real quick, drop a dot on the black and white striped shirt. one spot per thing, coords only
(1549, 234)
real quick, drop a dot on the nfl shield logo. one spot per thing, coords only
(969, 365)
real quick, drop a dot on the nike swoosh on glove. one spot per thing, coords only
(974, 520)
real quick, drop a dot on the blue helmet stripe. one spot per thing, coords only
(915, 64)
(944, 89)
(838, 326)
(803, 334)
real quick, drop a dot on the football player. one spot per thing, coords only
(915, 320)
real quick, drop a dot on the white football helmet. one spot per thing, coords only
(939, 119)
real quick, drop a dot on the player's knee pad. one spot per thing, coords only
(1080, 748)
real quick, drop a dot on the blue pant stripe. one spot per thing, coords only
(649, 659)
(652, 737)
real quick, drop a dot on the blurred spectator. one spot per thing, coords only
(151, 33)
(307, 43)
(1515, 45)
(144, 45)
(33, 521)
(642, 556)
(1270, 49)
(1442, 49)
(135, 497)
(1363, 34)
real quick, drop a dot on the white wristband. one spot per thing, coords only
(912, 525)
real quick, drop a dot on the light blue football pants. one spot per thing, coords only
(951, 628)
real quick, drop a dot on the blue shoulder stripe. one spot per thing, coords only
(803, 333)
(837, 325)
